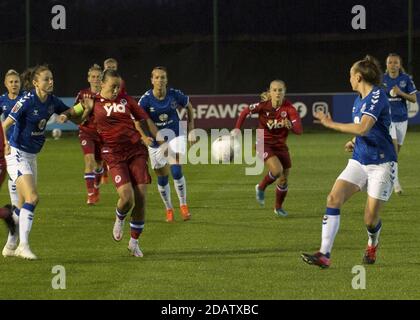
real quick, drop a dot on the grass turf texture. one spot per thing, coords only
(231, 249)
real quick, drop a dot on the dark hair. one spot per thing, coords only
(370, 70)
(159, 68)
(108, 73)
(397, 56)
(31, 74)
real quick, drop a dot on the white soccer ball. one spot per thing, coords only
(221, 149)
(56, 133)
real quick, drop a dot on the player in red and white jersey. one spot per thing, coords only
(276, 116)
(90, 140)
(125, 152)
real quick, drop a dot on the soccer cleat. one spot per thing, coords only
(370, 255)
(117, 232)
(317, 259)
(133, 247)
(9, 250)
(280, 212)
(185, 212)
(23, 251)
(259, 195)
(170, 215)
(92, 198)
(397, 188)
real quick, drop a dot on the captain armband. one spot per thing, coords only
(78, 109)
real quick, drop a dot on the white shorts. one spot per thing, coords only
(20, 163)
(376, 179)
(398, 131)
(159, 157)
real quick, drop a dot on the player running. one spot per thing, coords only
(400, 88)
(125, 154)
(12, 82)
(371, 167)
(276, 116)
(90, 140)
(30, 115)
(161, 104)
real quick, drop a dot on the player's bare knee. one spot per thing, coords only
(282, 181)
(334, 201)
(32, 198)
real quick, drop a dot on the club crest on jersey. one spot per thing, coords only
(174, 105)
(163, 117)
(113, 107)
(283, 114)
(403, 84)
(51, 109)
(274, 124)
(17, 106)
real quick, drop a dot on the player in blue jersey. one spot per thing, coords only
(161, 103)
(372, 165)
(12, 83)
(30, 115)
(400, 88)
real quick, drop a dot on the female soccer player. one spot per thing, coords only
(400, 88)
(372, 165)
(276, 117)
(12, 83)
(30, 115)
(90, 140)
(161, 104)
(125, 154)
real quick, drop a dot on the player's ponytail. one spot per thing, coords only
(370, 70)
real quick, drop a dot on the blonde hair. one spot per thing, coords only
(95, 67)
(110, 60)
(265, 95)
(11, 72)
(397, 56)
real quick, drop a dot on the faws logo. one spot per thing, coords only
(113, 107)
(274, 124)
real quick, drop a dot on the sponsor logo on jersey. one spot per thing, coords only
(35, 113)
(163, 117)
(114, 107)
(274, 124)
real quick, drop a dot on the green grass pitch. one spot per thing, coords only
(231, 249)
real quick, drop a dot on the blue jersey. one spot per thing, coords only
(6, 105)
(164, 112)
(31, 116)
(376, 146)
(399, 112)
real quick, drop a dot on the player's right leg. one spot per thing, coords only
(88, 149)
(159, 164)
(124, 205)
(275, 169)
(400, 133)
(351, 180)
(137, 220)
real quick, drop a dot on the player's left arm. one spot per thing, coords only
(78, 113)
(190, 125)
(411, 94)
(358, 129)
(295, 123)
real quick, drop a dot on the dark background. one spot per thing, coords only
(310, 44)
